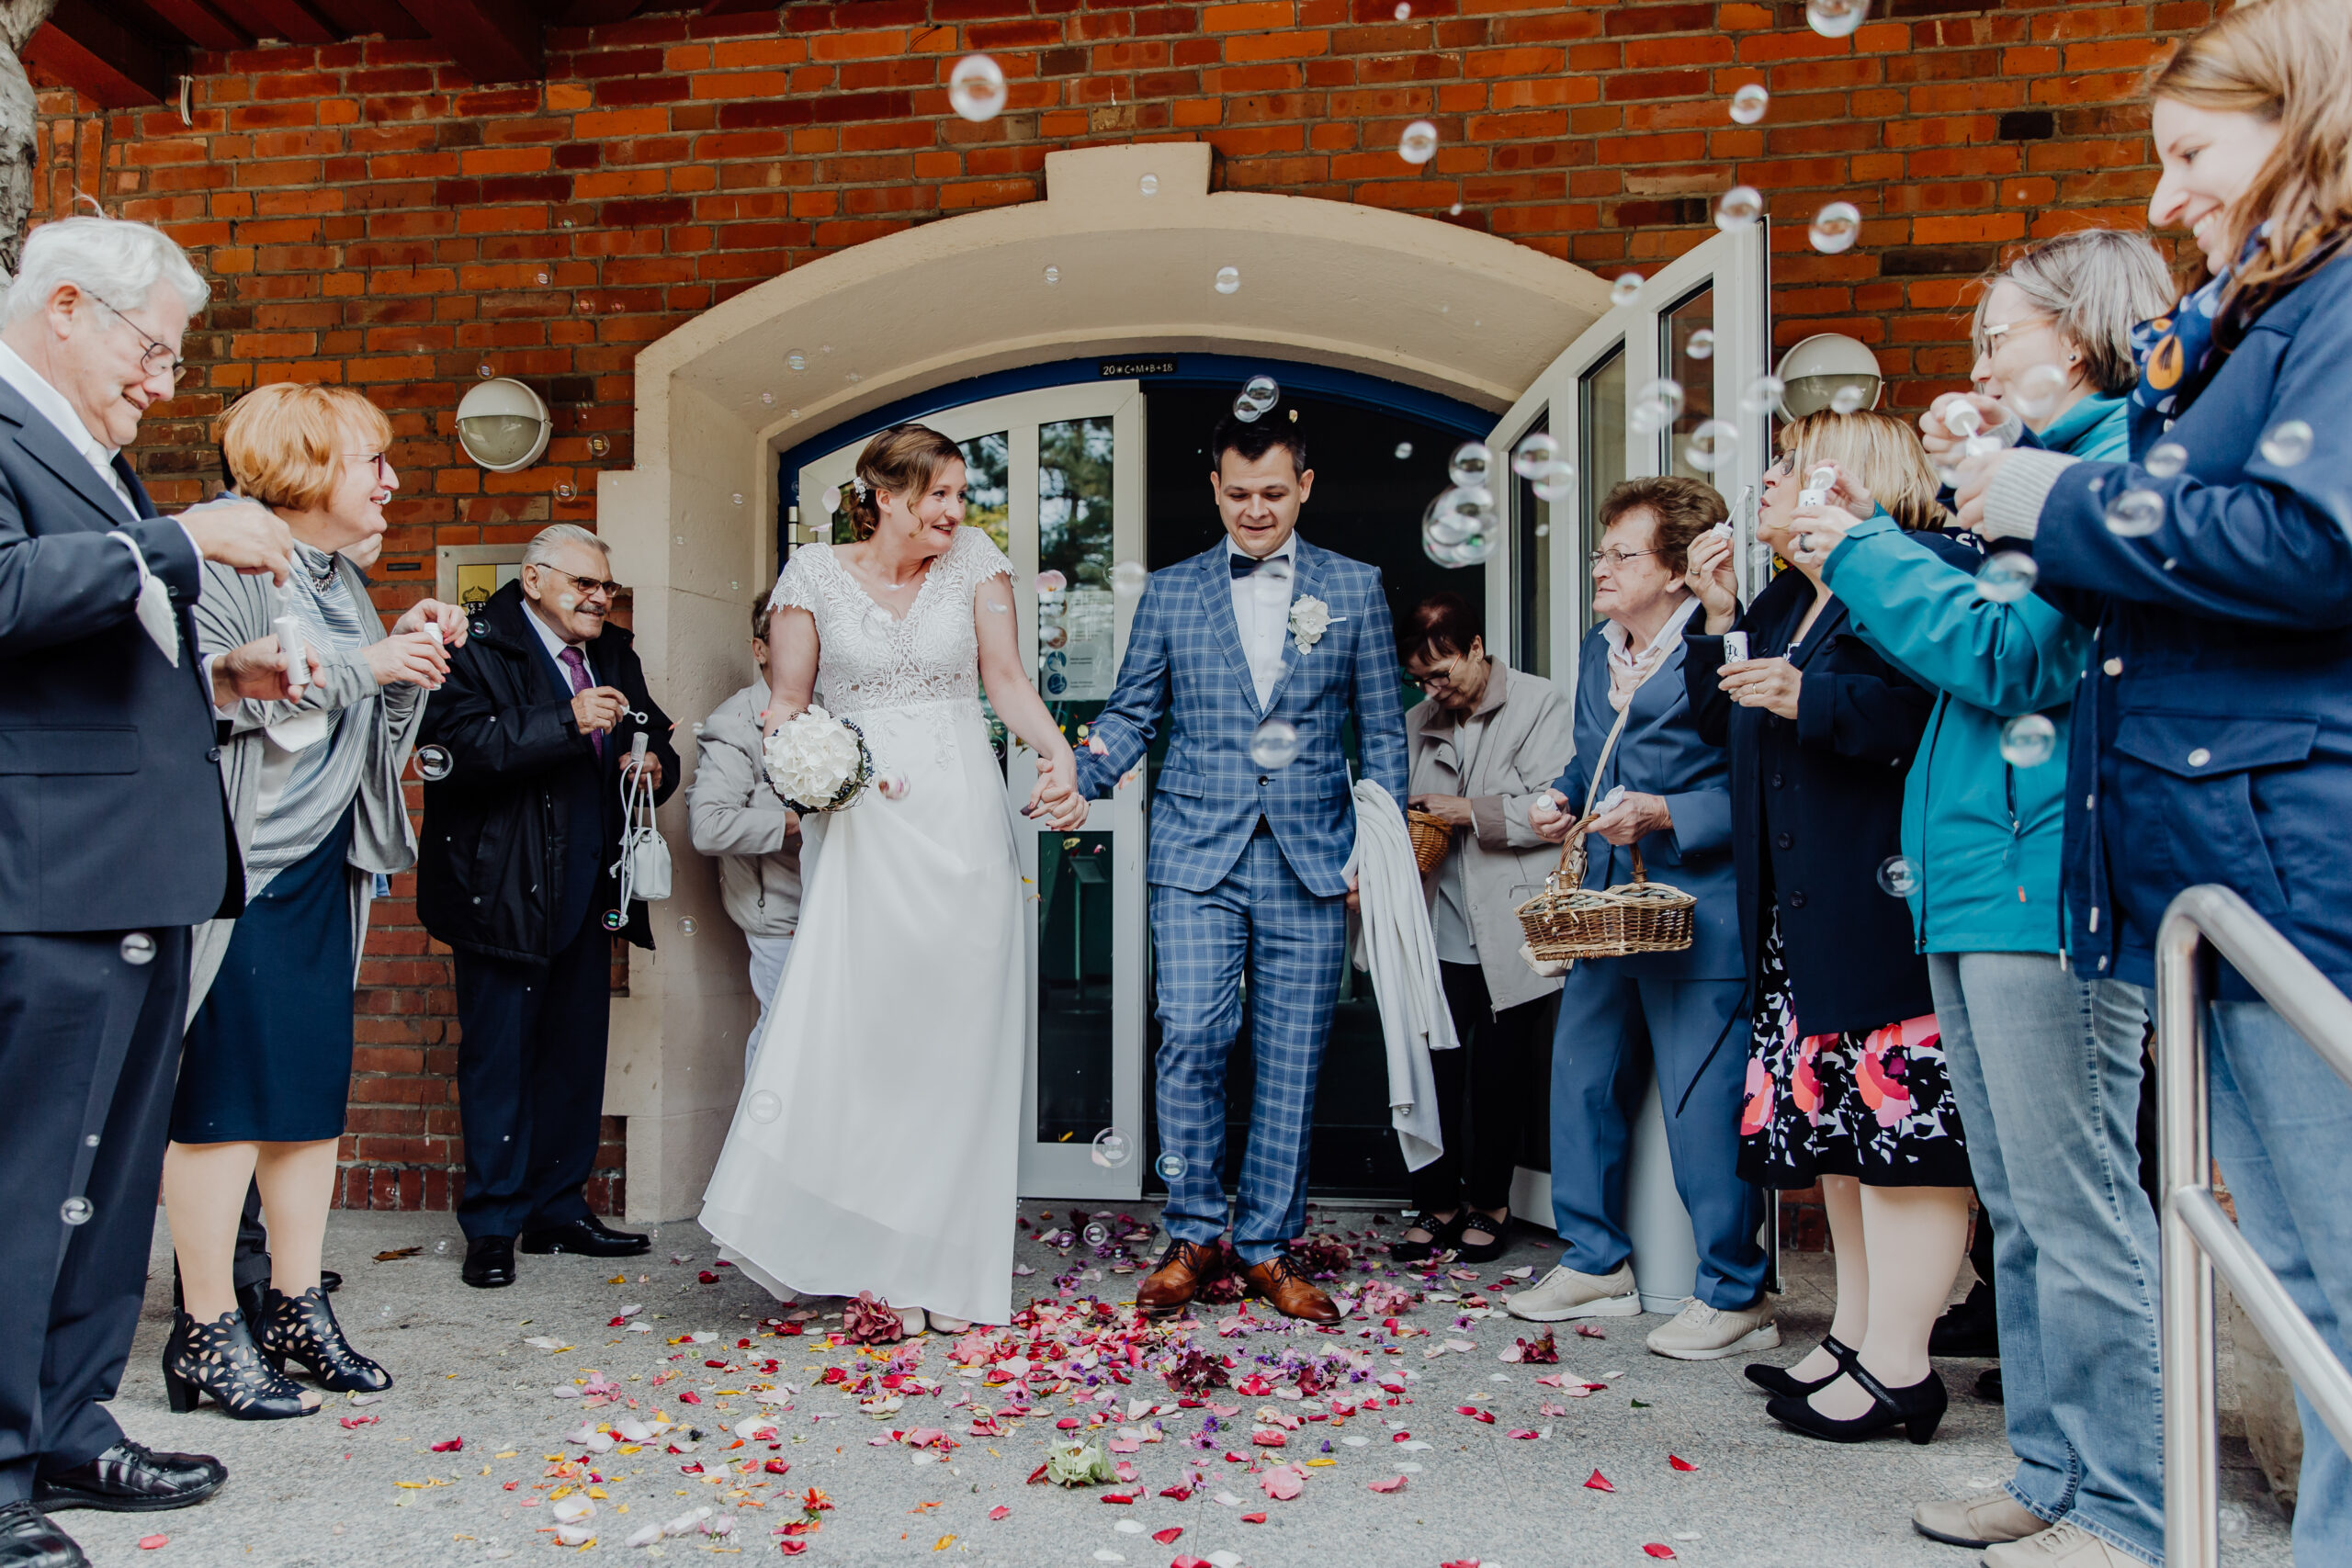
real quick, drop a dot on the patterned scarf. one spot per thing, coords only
(2176, 350)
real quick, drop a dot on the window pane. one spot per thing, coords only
(1601, 442)
(1534, 563)
(1074, 1017)
(1075, 626)
(988, 460)
(1675, 329)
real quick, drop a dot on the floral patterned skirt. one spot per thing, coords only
(1874, 1104)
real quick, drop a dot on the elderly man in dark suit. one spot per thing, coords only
(114, 840)
(542, 717)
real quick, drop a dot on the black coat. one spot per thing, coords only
(1816, 807)
(501, 849)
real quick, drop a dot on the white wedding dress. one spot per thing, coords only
(875, 1147)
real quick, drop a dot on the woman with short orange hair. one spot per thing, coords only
(313, 786)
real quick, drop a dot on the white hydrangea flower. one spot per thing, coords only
(1309, 616)
(813, 758)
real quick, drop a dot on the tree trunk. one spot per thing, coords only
(19, 146)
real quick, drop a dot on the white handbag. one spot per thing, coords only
(644, 866)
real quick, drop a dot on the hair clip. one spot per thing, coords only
(858, 483)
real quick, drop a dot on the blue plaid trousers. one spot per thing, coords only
(1293, 944)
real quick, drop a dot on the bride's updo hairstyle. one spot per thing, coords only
(903, 459)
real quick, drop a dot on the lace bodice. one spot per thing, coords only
(870, 659)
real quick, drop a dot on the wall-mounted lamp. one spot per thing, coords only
(502, 426)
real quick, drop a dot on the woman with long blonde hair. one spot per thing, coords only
(2213, 740)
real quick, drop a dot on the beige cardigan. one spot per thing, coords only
(236, 609)
(1529, 735)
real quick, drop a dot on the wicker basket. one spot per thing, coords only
(1432, 836)
(1565, 922)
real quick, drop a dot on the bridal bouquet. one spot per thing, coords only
(818, 762)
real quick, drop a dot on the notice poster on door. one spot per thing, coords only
(1083, 668)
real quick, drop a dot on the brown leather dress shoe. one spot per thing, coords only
(1281, 1280)
(1183, 1268)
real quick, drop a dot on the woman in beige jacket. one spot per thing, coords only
(1488, 741)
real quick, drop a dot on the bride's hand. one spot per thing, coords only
(1056, 794)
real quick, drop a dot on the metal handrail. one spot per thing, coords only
(2198, 1236)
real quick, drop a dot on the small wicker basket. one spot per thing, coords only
(1432, 836)
(1565, 922)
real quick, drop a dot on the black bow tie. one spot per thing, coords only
(1244, 565)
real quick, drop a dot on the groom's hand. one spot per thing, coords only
(1355, 898)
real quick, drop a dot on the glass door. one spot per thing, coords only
(1057, 477)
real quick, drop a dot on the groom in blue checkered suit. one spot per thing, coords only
(1262, 646)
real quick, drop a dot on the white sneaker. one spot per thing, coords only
(1563, 1294)
(2060, 1546)
(1701, 1333)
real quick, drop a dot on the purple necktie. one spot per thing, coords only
(576, 669)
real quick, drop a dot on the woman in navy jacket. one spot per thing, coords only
(1847, 1083)
(2212, 738)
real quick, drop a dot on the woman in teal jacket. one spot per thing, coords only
(2046, 1065)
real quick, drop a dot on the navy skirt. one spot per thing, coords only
(268, 1056)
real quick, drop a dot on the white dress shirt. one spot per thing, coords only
(550, 638)
(1263, 617)
(34, 387)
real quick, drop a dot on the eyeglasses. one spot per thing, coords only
(591, 585)
(382, 461)
(1612, 557)
(1992, 334)
(1443, 675)
(158, 356)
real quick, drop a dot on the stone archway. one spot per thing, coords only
(1135, 241)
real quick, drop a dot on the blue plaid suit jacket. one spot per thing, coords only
(1184, 661)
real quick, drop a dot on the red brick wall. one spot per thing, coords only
(373, 218)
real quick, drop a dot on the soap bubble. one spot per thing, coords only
(598, 445)
(2135, 513)
(2286, 444)
(1053, 274)
(1851, 399)
(1553, 481)
(1835, 18)
(1404, 10)
(1170, 1164)
(1534, 451)
(1899, 878)
(1127, 578)
(1626, 290)
(828, 498)
(1262, 390)
(1148, 185)
(891, 787)
(138, 949)
(2164, 460)
(1404, 450)
(1464, 509)
(2038, 390)
(1228, 279)
(1738, 207)
(434, 762)
(1052, 637)
(1274, 744)
(75, 1211)
(686, 926)
(976, 88)
(1836, 228)
(1096, 1234)
(1419, 144)
(795, 360)
(1656, 406)
(562, 492)
(764, 1106)
(1748, 104)
(2231, 1523)
(2027, 741)
(1763, 395)
(485, 371)
(2006, 577)
(1711, 445)
(1702, 343)
(1472, 463)
(1113, 1148)
(615, 921)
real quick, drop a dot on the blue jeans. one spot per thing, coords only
(2047, 1069)
(2282, 1134)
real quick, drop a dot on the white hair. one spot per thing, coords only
(542, 547)
(117, 260)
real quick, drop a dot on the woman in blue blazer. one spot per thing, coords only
(2212, 738)
(1847, 1084)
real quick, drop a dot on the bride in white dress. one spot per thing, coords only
(875, 1144)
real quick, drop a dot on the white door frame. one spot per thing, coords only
(1063, 1171)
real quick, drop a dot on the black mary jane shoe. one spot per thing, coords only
(1497, 1231)
(1444, 1236)
(302, 1329)
(1779, 1381)
(132, 1478)
(587, 1236)
(1915, 1409)
(28, 1540)
(221, 1359)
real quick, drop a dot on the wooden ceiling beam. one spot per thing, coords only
(733, 8)
(492, 41)
(356, 19)
(96, 55)
(598, 13)
(198, 22)
(289, 20)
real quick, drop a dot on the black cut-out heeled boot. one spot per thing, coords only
(1780, 1380)
(219, 1358)
(1916, 1408)
(303, 1329)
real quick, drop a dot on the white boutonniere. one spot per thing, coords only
(1309, 618)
